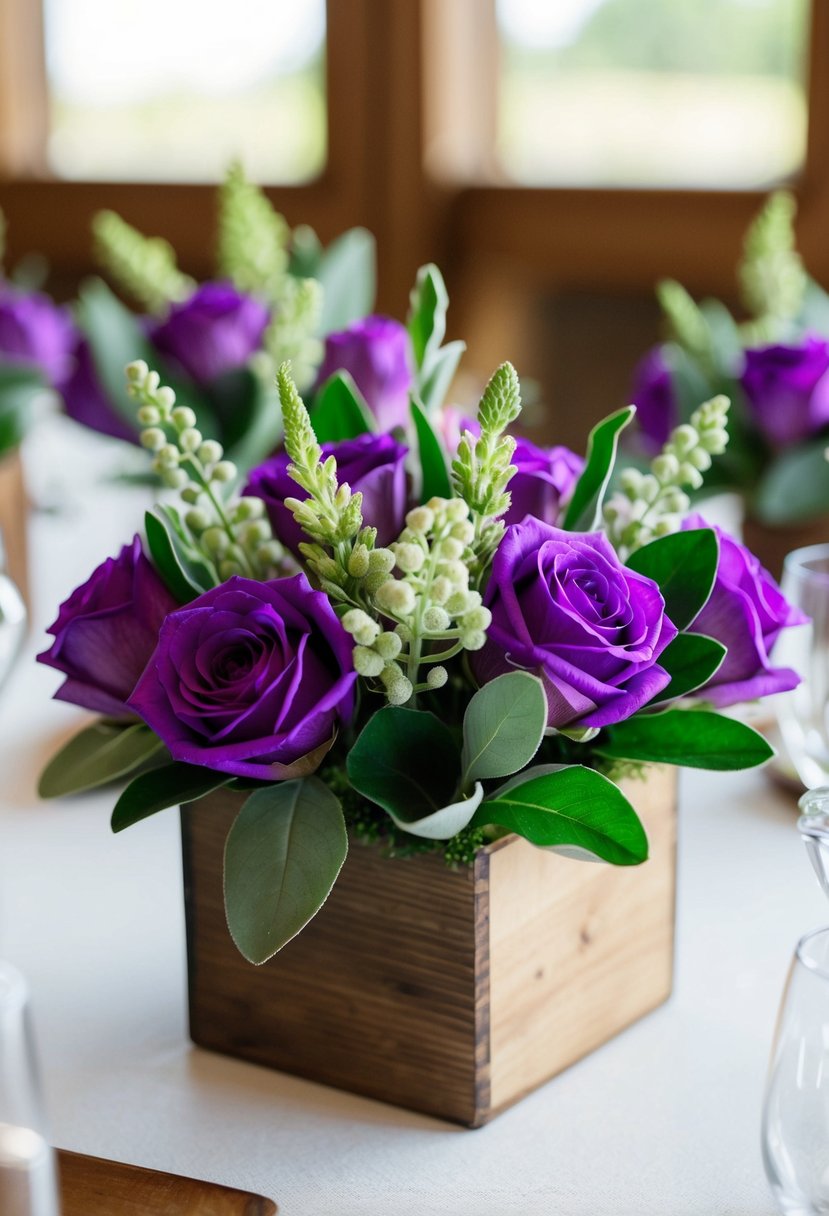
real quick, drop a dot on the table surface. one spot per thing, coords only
(664, 1119)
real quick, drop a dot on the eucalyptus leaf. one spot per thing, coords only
(97, 755)
(691, 659)
(684, 567)
(186, 573)
(340, 411)
(795, 487)
(446, 822)
(584, 512)
(503, 726)
(572, 807)
(171, 785)
(348, 274)
(434, 468)
(406, 761)
(694, 738)
(282, 857)
(437, 377)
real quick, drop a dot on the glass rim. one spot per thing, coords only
(796, 563)
(807, 961)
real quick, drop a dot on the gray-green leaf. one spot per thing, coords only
(446, 822)
(97, 755)
(503, 726)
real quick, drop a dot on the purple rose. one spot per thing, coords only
(566, 609)
(34, 330)
(85, 400)
(746, 612)
(377, 352)
(543, 483)
(657, 411)
(249, 678)
(107, 630)
(787, 389)
(215, 331)
(372, 464)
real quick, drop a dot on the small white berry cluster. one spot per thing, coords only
(235, 536)
(652, 504)
(428, 599)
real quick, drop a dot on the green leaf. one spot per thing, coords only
(282, 857)
(185, 573)
(435, 480)
(99, 754)
(406, 761)
(171, 785)
(503, 726)
(426, 321)
(684, 567)
(248, 414)
(691, 659)
(340, 411)
(436, 378)
(445, 823)
(694, 738)
(585, 510)
(572, 808)
(21, 386)
(306, 253)
(795, 486)
(347, 272)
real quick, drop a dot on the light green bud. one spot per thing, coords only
(441, 590)
(191, 494)
(436, 504)
(136, 371)
(684, 438)
(148, 415)
(183, 418)
(473, 639)
(700, 459)
(478, 618)
(404, 633)
(437, 677)
(389, 645)
(714, 441)
(689, 476)
(373, 582)
(457, 603)
(174, 478)
(450, 549)
(395, 596)
(197, 520)
(666, 525)
(229, 569)
(456, 572)
(435, 619)
(358, 562)
(665, 467)
(367, 662)
(255, 532)
(165, 399)
(248, 508)
(168, 457)
(343, 496)
(398, 687)
(675, 500)
(464, 531)
(457, 510)
(409, 557)
(153, 439)
(215, 540)
(420, 520)
(271, 553)
(356, 622)
(630, 481)
(152, 383)
(191, 439)
(380, 561)
(210, 452)
(225, 470)
(649, 488)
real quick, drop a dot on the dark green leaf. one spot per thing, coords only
(426, 321)
(282, 857)
(691, 659)
(438, 375)
(306, 252)
(171, 785)
(695, 738)
(684, 566)
(447, 821)
(348, 276)
(340, 411)
(21, 387)
(406, 761)
(435, 480)
(248, 414)
(572, 808)
(503, 726)
(97, 755)
(585, 510)
(795, 487)
(166, 550)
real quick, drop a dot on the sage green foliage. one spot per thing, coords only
(97, 755)
(772, 276)
(695, 738)
(687, 324)
(503, 726)
(435, 364)
(340, 411)
(171, 785)
(796, 487)
(347, 273)
(145, 267)
(584, 510)
(282, 857)
(291, 334)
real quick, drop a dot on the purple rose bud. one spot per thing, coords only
(107, 630)
(565, 608)
(215, 331)
(787, 389)
(746, 612)
(248, 676)
(372, 464)
(544, 482)
(657, 411)
(34, 330)
(85, 400)
(377, 352)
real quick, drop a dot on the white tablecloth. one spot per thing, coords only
(665, 1119)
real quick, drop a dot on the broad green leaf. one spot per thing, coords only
(426, 321)
(248, 413)
(99, 754)
(434, 383)
(282, 857)
(306, 253)
(503, 726)
(795, 486)
(691, 659)
(171, 785)
(445, 823)
(684, 566)
(585, 510)
(22, 387)
(340, 411)
(406, 761)
(571, 808)
(185, 573)
(694, 738)
(814, 314)
(348, 275)
(435, 480)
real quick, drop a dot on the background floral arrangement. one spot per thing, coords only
(429, 636)
(774, 367)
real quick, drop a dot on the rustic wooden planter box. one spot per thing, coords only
(450, 992)
(14, 512)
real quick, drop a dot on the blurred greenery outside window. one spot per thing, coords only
(173, 90)
(670, 93)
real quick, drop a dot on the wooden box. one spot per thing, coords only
(14, 512)
(452, 992)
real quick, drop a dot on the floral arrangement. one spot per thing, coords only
(427, 637)
(36, 341)
(276, 295)
(773, 366)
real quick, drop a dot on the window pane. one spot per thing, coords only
(172, 90)
(652, 92)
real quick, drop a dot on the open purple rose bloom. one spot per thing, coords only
(35, 330)
(249, 677)
(372, 464)
(107, 630)
(653, 395)
(566, 609)
(377, 353)
(746, 611)
(214, 331)
(787, 388)
(543, 483)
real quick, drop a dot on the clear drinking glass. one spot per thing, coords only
(12, 619)
(803, 714)
(28, 1179)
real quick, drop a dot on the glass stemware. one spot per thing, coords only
(803, 714)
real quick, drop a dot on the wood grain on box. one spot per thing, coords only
(452, 992)
(14, 510)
